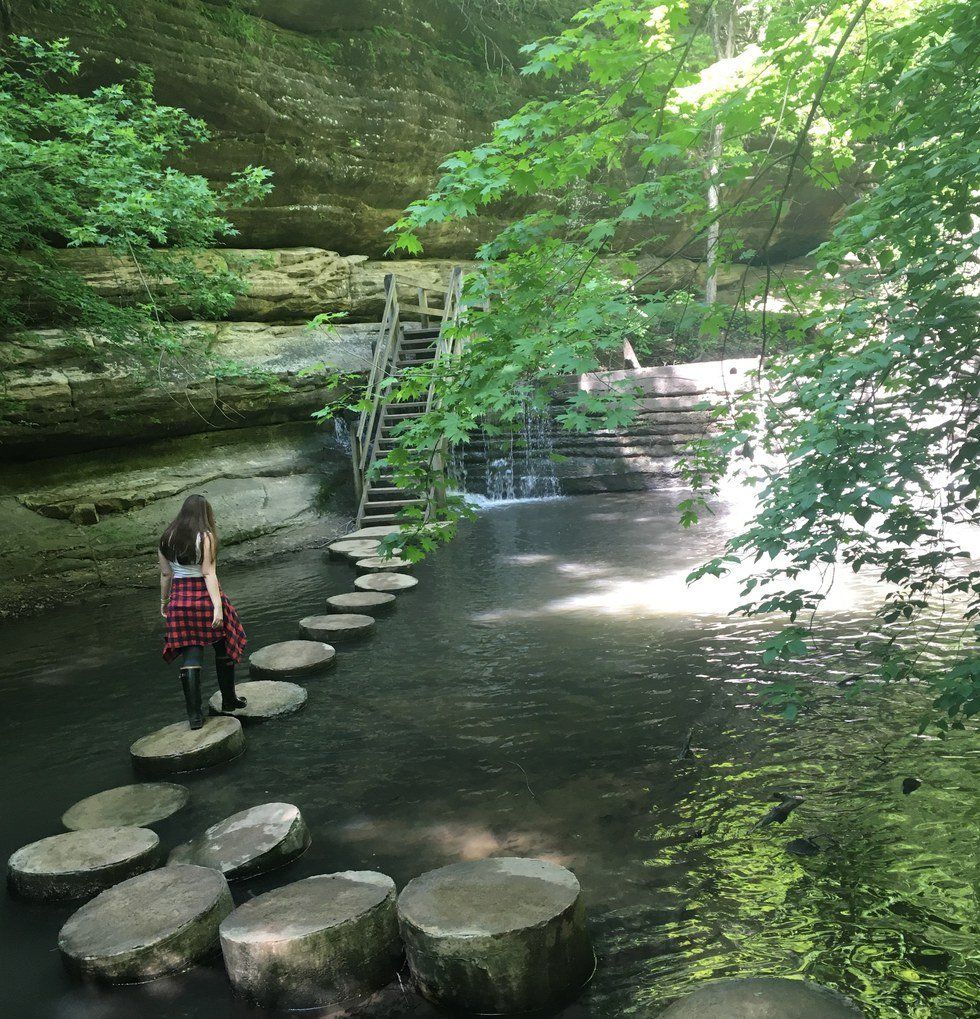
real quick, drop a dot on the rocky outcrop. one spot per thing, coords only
(353, 106)
(294, 284)
(284, 284)
(71, 525)
(66, 396)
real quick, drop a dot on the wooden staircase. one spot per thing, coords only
(411, 334)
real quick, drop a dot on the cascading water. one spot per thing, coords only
(341, 433)
(502, 468)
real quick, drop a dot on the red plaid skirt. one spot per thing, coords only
(189, 615)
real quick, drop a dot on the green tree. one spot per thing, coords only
(868, 429)
(97, 170)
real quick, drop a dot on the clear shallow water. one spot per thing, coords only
(532, 696)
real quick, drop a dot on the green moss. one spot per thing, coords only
(103, 11)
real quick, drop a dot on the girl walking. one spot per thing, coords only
(196, 611)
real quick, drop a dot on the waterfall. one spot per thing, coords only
(341, 433)
(517, 465)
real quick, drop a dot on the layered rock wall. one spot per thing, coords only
(673, 414)
(353, 106)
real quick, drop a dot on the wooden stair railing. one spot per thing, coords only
(401, 344)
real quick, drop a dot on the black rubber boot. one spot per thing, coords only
(190, 680)
(225, 668)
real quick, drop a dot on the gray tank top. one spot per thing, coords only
(181, 570)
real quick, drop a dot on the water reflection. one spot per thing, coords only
(478, 721)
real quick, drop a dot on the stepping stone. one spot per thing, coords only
(338, 628)
(177, 748)
(376, 532)
(78, 864)
(291, 659)
(497, 935)
(342, 549)
(373, 603)
(130, 805)
(763, 998)
(266, 699)
(316, 942)
(151, 925)
(375, 564)
(389, 582)
(251, 842)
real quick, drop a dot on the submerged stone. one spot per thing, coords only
(762, 998)
(337, 628)
(266, 699)
(128, 805)
(375, 564)
(291, 659)
(78, 864)
(248, 843)
(389, 582)
(316, 942)
(178, 748)
(496, 935)
(148, 926)
(373, 603)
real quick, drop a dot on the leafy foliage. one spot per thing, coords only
(95, 170)
(869, 431)
(862, 434)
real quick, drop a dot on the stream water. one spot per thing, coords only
(532, 696)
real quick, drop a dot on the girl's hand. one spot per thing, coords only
(163, 609)
(218, 618)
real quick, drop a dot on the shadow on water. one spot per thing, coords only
(533, 696)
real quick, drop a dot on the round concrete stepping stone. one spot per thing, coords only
(337, 628)
(178, 748)
(375, 564)
(763, 998)
(372, 603)
(151, 925)
(78, 864)
(266, 699)
(342, 549)
(497, 935)
(389, 582)
(376, 531)
(131, 805)
(316, 942)
(248, 843)
(291, 659)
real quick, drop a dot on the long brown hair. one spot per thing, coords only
(182, 541)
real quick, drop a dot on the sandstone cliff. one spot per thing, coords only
(352, 105)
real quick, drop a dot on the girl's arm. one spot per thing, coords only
(166, 580)
(211, 578)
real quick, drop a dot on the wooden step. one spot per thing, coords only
(395, 502)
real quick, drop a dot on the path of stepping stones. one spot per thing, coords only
(318, 941)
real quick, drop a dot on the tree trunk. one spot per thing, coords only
(722, 29)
